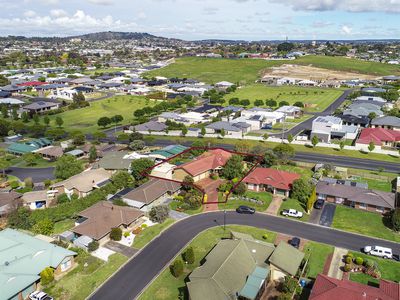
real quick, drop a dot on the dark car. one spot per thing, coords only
(319, 204)
(295, 242)
(245, 210)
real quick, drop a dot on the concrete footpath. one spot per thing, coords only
(335, 270)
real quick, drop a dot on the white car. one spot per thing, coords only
(292, 213)
(378, 251)
(38, 295)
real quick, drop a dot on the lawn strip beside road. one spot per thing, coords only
(363, 222)
(166, 286)
(149, 233)
(294, 204)
(235, 201)
(132, 278)
(318, 254)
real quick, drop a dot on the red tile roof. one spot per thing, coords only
(327, 288)
(32, 83)
(378, 135)
(209, 160)
(276, 178)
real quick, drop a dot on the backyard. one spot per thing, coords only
(318, 99)
(363, 222)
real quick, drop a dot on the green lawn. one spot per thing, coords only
(149, 233)
(215, 70)
(83, 280)
(376, 180)
(174, 205)
(306, 172)
(60, 227)
(318, 98)
(103, 70)
(85, 119)
(348, 65)
(294, 204)
(363, 222)
(39, 162)
(167, 287)
(318, 255)
(389, 269)
(298, 148)
(232, 204)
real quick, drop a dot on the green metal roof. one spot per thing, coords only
(21, 148)
(22, 258)
(254, 282)
(287, 258)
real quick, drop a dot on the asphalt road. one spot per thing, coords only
(37, 174)
(132, 278)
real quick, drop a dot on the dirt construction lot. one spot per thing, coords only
(312, 73)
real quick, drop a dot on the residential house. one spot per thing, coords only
(356, 197)
(372, 91)
(11, 102)
(391, 78)
(350, 120)
(285, 261)
(223, 85)
(34, 145)
(370, 98)
(203, 166)
(361, 109)
(327, 127)
(381, 137)
(38, 199)
(327, 288)
(229, 128)
(152, 193)
(116, 160)
(265, 116)
(40, 107)
(270, 180)
(23, 257)
(51, 152)
(9, 201)
(164, 170)
(386, 122)
(97, 221)
(168, 151)
(290, 111)
(83, 183)
(307, 83)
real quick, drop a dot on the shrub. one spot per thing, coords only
(176, 268)
(116, 234)
(28, 182)
(350, 255)
(47, 276)
(126, 234)
(63, 198)
(44, 226)
(368, 263)
(396, 220)
(14, 184)
(265, 236)
(348, 260)
(159, 213)
(93, 246)
(47, 182)
(358, 261)
(288, 285)
(188, 255)
(347, 267)
(136, 231)
(143, 226)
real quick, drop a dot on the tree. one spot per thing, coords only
(138, 166)
(222, 132)
(314, 140)
(47, 276)
(233, 167)
(265, 136)
(46, 120)
(184, 131)
(20, 218)
(116, 234)
(284, 152)
(245, 102)
(188, 255)
(67, 166)
(44, 226)
(258, 102)
(4, 165)
(4, 111)
(14, 114)
(30, 158)
(93, 246)
(203, 131)
(28, 182)
(55, 133)
(122, 179)
(117, 119)
(283, 103)
(341, 145)
(240, 189)
(371, 146)
(25, 117)
(92, 154)
(176, 268)
(36, 119)
(301, 190)
(137, 145)
(299, 104)
(396, 219)
(159, 214)
(187, 183)
(78, 138)
(59, 121)
(285, 47)
(4, 81)
(271, 103)
(372, 115)
(290, 138)
(312, 199)
(104, 122)
(270, 158)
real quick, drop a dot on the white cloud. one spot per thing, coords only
(346, 30)
(389, 6)
(29, 14)
(142, 15)
(101, 2)
(58, 13)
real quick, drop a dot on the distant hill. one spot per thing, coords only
(110, 35)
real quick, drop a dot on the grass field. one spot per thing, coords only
(150, 233)
(167, 287)
(85, 278)
(317, 98)
(85, 119)
(175, 205)
(390, 270)
(232, 204)
(293, 204)
(318, 255)
(61, 226)
(348, 65)
(363, 222)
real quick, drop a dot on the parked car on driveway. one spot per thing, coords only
(319, 204)
(295, 242)
(292, 213)
(39, 295)
(378, 251)
(245, 210)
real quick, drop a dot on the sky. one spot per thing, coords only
(206, 19)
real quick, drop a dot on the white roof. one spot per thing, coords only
(224, 83)
(11, 101)
(287, 109)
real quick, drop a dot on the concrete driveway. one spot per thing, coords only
(315, 215)
(119, 248)
(328, 212)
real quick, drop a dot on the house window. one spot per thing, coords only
(362, 206)
(380, 209)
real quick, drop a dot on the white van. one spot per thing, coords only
(378, 251)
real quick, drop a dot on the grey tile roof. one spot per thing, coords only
(386, 121)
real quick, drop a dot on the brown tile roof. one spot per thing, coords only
(9, 198)
(53, 151)
(103, 216)
(327, 288)
(209, 160)
(276, 178)
(152, 190)
(357, 194)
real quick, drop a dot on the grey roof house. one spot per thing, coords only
(387, 122)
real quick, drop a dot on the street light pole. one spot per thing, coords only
(224, 219)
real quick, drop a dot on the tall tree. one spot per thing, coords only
(67, 166)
